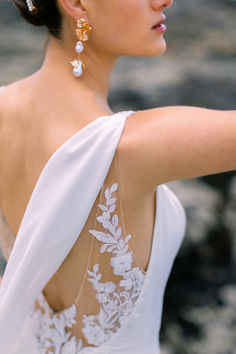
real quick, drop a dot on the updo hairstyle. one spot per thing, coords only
(46, 14)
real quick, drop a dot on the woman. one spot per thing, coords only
(90, 230)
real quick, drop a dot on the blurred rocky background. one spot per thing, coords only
(198, 68)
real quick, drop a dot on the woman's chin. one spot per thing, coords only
(157, 48)
(149, 49)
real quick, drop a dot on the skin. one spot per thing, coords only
(55, 80)
(44, 108)
(101, 50)
(158, 145)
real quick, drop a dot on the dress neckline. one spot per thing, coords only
(65, 143)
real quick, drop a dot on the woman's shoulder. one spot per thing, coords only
(13, 100)
(10, 98)
(14, 91)
(11, 124)
(11, 103)
(11, 90)
(164, 144)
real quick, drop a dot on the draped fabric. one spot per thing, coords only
(54, 217)
(58, 209)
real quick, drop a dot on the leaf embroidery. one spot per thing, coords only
(116, 300)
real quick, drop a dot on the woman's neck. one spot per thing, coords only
(56, 73)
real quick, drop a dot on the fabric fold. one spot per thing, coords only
(55, 215)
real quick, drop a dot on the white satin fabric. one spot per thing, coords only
(140, 335)
(56, 213)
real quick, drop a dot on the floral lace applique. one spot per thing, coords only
(51, 329)
(116, 300)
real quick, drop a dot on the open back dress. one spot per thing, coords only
(76, 212)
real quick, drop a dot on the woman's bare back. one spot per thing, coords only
(27, 142)
(156, 146)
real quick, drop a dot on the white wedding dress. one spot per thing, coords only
(119, 305)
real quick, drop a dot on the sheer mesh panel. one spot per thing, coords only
(110, 286)
(95, 289)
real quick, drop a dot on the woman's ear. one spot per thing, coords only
(74, 8)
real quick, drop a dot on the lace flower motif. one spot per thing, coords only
(51, 329)
(116, 300)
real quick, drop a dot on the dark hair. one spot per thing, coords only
(46, 13)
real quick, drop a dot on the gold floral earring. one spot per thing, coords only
(82, 32)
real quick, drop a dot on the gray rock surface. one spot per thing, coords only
(197, 69)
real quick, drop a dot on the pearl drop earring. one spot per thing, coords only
(82, 32)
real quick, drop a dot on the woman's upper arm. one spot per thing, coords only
(178, 142)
